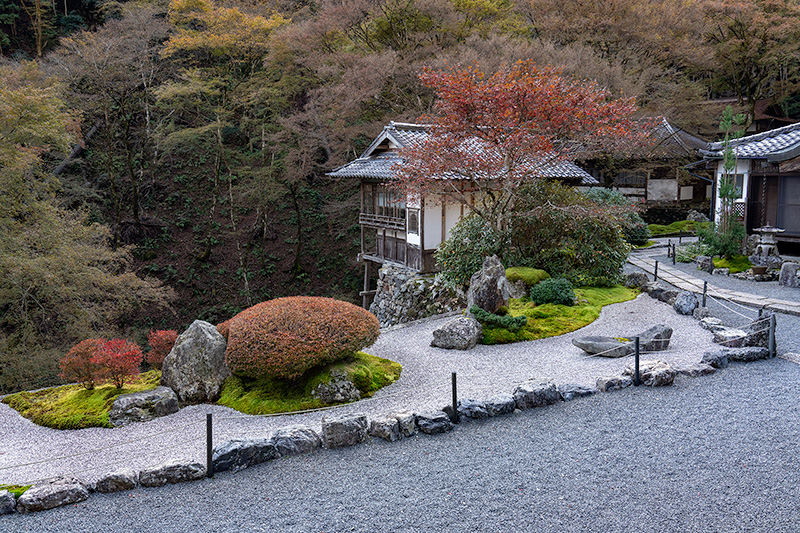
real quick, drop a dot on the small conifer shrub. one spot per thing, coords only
(553, 291)
(283, 338)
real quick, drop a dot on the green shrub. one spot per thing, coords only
(529, 276)
(471, 241)
(283, 338)
(573, 236)
(553, 291)
(686, 253)
(511, 323)
(726, 243)
(633, 227)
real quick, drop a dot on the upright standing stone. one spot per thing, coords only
(196, 368)
(788, 277)
(345, 430)
(488, 287)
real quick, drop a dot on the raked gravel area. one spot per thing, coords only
(424, 384)
(716, 453)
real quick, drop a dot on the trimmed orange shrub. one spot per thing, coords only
(283, 338)
(78, 364)
(161, 342)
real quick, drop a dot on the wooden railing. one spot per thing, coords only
(382, 221)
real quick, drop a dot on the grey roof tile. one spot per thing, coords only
(377, 163)
(768, 144)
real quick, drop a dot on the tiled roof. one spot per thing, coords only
(775, 145)
(378, 159)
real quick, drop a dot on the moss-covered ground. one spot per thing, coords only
(265, 396)
(16, 490)
(74, 407)
(685, 226)
(737, 263)
(550, 320)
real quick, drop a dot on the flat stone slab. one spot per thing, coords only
(239, 454)
(570, 391)
(536, 392)
(125, 479)
(502, 404)
(433, 422)
(604, 346)
(176, 471)
(295, 440)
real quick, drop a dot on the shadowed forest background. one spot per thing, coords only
(201, 132)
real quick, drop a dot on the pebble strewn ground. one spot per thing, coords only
(424, 384)
(717, 453)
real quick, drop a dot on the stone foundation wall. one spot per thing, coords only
(404, 295)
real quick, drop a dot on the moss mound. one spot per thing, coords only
(737, 263)
(274, 395)
(530, 276)
(73, 406)
(550, 320)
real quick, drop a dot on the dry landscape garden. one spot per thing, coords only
(185, 258)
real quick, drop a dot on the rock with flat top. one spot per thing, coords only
(143, 406)
(502, 404)
(434, 422)
(570, 391)
(344, 430)
(696, 370)
(611, 383)
(124, 479)
(385, 427)
(175, 471)
(536, 392)
(462, 333)
(652, 373)
(54, 493)
(295, 440)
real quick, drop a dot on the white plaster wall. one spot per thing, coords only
(452, 216)
(662, 190)
(742, 167)
(432, 224)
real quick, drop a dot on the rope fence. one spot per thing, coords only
(638, 350)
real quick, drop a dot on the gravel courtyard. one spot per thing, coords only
(716, 453)
(424, 384)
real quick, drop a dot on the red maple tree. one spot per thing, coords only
(118, 359)
(493, 133)
(161, 342)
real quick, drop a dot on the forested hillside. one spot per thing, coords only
(202, 131)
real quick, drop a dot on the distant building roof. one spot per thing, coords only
(779, 144)
(378, 160)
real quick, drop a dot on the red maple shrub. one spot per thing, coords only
(118, 359)
(283, 338)
(161, 342)
(78, 365)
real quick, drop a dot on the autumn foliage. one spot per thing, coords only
(78, 365)
(493, 133)
(97, 360)
(283, 338)
(161, 342)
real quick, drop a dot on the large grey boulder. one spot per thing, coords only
(758, 330)
(433, 422)
(668, 296)
(175, 471)
(124, 479)
(746, 354)
(488, 287)
(715, 358)
(788, 275)
(474, 409)
(295, 440)
(653, 373)
(344, 430)
(195, 367)
(604, 346)
(338, 390)
(655, 338)
(239, 454)
(730, 337)
(407, 422)
(385, 427)
(686, 303)
(143, 406)
(570, 391)
(636, 280)
(608, 384)
(55, 493)
(8, 503)
(502, 404)
(461, 333)
(536, 392)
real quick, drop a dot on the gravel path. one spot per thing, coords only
(425, 383)
(717, 453)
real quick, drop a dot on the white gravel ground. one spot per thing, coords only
(425, 383)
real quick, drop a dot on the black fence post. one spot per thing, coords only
(636, 380)
(680, 236)
(673, 254)
(455, 400)
(209, 447)
(655, 272)
(669, 247)
(705, 290)
(772, 347)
